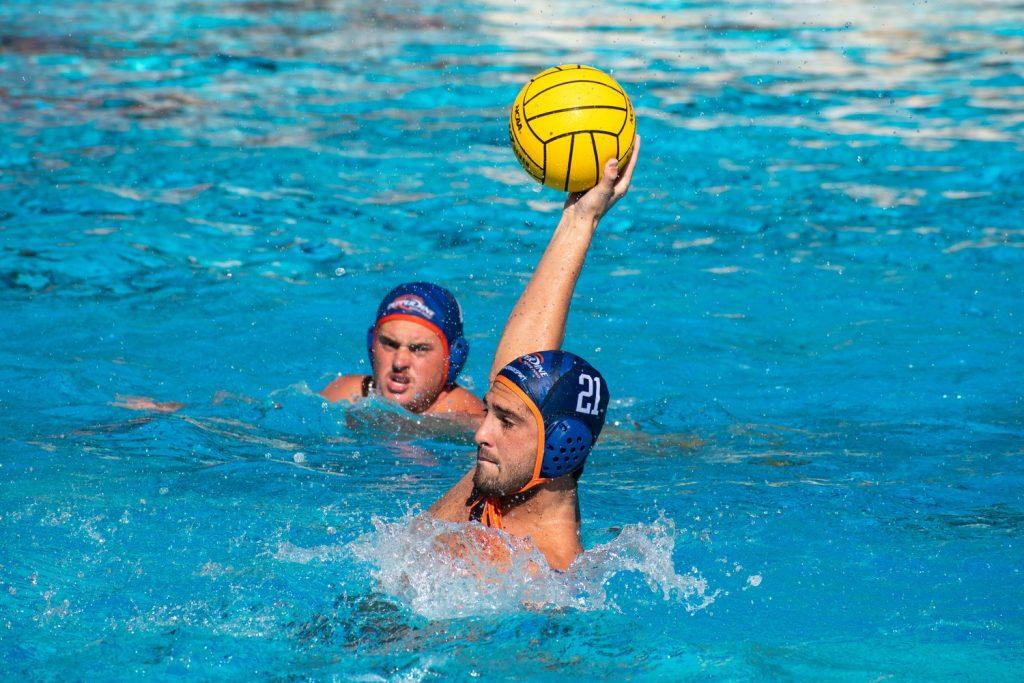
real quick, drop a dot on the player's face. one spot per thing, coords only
(506, 444)
(409, 364)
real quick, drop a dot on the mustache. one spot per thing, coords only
(486, 458)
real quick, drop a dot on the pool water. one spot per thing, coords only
(808, 311)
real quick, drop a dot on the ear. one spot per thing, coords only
(567, 443)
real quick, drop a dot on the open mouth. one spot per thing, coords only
(398, 384)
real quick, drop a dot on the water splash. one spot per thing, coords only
(289, 552)
(441, 570)
(646, 549)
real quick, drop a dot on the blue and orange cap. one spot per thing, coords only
(435, 308)
(569, 401)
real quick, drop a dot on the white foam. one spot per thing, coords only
(437, 569)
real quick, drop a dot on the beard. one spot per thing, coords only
(492, 480)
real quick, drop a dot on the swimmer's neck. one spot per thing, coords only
(550, 518)
(553, 503)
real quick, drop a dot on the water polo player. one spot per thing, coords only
(545, 407)
(417, 349)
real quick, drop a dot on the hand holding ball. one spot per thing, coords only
(567, 122)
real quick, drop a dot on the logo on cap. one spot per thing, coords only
(413, 304)
(515, 371)
(535, 364)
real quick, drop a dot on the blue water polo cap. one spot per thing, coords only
(435, 308)
(568, 397)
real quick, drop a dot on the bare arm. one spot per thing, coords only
(452, 506)
(459, 404)
(146, 403)
(537, 321)
(346, 387)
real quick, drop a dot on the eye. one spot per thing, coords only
(506, 424)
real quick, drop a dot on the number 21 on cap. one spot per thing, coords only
(590, 397)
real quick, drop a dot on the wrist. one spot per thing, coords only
(584, 219)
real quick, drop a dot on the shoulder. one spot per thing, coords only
(452, 507)
(559, 549)
(346, 387)
(458, 401)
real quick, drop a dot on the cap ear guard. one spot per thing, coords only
(567, 443)
(458, 351)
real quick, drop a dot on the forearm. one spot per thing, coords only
(537, 322)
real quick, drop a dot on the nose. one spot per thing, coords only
(482, 436)
(401, 359)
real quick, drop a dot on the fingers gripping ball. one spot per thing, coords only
(567, 122)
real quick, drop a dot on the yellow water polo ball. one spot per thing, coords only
(567, 122)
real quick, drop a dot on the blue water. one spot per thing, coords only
(808, 310)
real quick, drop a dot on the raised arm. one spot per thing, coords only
(537, 322)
